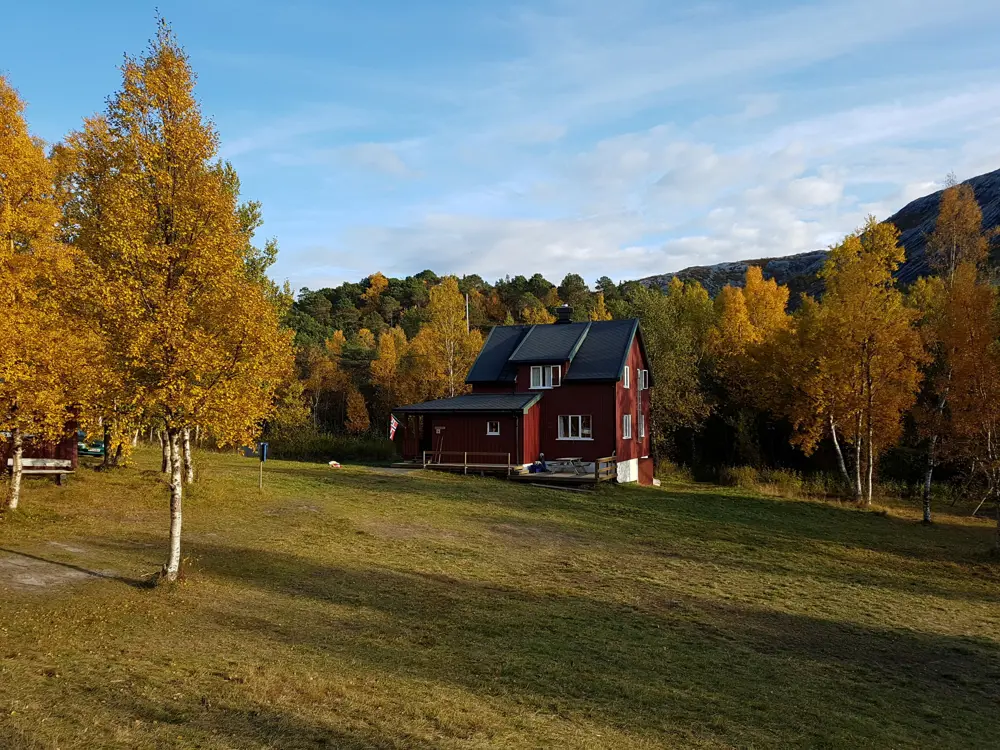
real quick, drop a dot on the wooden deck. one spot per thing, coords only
(605, 469)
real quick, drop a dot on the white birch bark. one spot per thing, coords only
(17, 440)
(188, 460)
(929, 476)
(165, 450)
(858, 440)
(840, 454)
(871, 466)
(173, 566)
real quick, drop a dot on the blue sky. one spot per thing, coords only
(625, 138)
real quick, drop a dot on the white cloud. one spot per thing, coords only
(539, 164)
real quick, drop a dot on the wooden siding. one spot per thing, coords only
(595, 399)
(628, 401)
(646, 471)
(531, 433)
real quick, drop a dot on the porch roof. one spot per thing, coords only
(475, 403)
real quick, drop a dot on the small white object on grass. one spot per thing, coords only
(334, 464)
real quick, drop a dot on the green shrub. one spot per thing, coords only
(307, 445)
(744, 477)
(668, 471)
(782, 481)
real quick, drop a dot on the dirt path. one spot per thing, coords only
(25, 571)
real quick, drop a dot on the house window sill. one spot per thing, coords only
(576, 440)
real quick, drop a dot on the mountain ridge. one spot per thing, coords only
(799, 272)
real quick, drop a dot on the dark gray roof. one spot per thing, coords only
(553, 343)
(603, 353)
(475, 402)
(596, 350)
(492, 365)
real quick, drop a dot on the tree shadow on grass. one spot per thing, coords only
(753, 675)
(203, 718)
(133, 582)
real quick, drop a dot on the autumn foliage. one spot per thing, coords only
(136, 299)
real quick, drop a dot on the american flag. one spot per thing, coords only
(393, 424)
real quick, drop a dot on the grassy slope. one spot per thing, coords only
(354, 609)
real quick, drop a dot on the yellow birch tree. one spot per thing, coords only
(873, 350)
(44, 359)
(444, 345)
(196, 341)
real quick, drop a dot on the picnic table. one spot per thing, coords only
(576, 462)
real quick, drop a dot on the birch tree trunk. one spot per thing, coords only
(173, 566)
(165, 450)
(996, 501)
(188, 461)
(840, 454)
(928, 476)
(107, 443)
(869, 429)
(17, 441)
(870, 467)
(857, 459)
(932, 448)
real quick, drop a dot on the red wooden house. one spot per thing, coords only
(575, 392)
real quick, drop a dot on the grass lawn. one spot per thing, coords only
(358, 608)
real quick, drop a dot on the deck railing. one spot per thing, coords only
(461, 459)
(605, 468)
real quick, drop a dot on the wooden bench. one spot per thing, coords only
(57, 467)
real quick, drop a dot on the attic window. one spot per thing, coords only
(628, 380)
(545, 377)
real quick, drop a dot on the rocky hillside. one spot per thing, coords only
(915, 222)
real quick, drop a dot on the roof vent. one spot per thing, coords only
(564, 314)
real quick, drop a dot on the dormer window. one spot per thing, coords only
(546, 376)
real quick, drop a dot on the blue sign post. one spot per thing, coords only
(262, 448)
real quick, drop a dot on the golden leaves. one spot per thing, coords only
(192, 339)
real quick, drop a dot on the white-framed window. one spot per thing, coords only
(644, 380)
(492, 428)
(628, 380)
(642, 425)
(575, 427)
(546, 376)
(627, 426)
